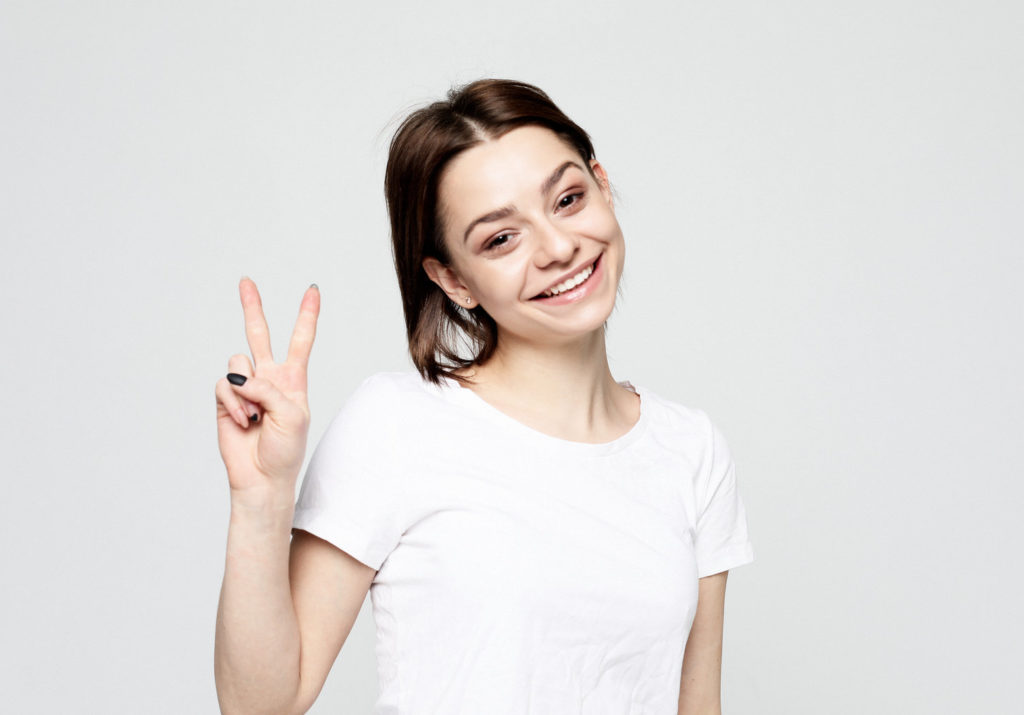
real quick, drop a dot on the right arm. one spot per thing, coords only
(287, 604)
(284, 613)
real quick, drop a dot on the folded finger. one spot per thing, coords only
(240, 364)
(227, 399)
(265, 395)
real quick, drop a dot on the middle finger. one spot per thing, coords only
(256, 330)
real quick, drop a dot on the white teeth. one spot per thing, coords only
(571, 282)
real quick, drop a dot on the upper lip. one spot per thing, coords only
(569, 275)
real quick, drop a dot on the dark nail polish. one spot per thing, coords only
(235, 379)
(254, 416)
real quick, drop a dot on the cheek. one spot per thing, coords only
(504, 279)
(604, 223)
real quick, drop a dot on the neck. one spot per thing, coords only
(567, 387)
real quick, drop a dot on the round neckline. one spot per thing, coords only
(456, 393)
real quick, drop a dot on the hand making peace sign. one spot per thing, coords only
(263, 456)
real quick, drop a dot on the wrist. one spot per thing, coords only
(263, 501)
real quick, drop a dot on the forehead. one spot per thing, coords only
(496, 172)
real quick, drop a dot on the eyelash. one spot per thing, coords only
(578, 196)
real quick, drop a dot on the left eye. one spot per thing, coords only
(567, 201)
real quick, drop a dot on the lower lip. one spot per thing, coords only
(579, 292)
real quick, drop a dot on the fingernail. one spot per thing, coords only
(314, 285)
(235, 379)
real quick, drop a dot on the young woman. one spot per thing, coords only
(536, 536)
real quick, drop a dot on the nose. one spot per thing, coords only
(554, 245)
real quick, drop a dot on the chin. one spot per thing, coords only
(581, 325)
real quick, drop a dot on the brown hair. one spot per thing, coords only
(422, 146)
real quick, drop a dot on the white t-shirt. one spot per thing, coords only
(519, 572)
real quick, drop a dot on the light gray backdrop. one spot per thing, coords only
(822, 209)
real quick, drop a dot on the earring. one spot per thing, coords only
(468, 299)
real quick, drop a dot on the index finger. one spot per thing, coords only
(305, 328)
(256, 330)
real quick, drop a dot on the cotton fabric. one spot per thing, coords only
(519, 572)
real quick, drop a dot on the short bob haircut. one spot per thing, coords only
(422, 146)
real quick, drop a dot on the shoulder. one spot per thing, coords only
(672, 414)
(389, 385)
(381, 404)
(679, 426)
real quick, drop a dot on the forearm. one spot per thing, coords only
(257, 647)
(700, 691)
(701, 683)
(696, 698)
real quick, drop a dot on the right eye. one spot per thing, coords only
(498, 241)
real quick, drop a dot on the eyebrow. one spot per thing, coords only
(506, 211)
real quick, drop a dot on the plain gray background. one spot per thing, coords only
(822, 210)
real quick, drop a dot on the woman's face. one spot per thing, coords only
(521, 214)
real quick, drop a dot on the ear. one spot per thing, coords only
(448, 280)
(602, 181)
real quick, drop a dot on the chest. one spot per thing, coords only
(603, 547)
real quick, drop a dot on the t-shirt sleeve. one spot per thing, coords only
(721, 542)
(349, 495)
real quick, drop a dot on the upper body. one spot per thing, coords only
(555, 556)
(518, 572)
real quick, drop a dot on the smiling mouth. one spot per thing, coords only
(592, 267)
